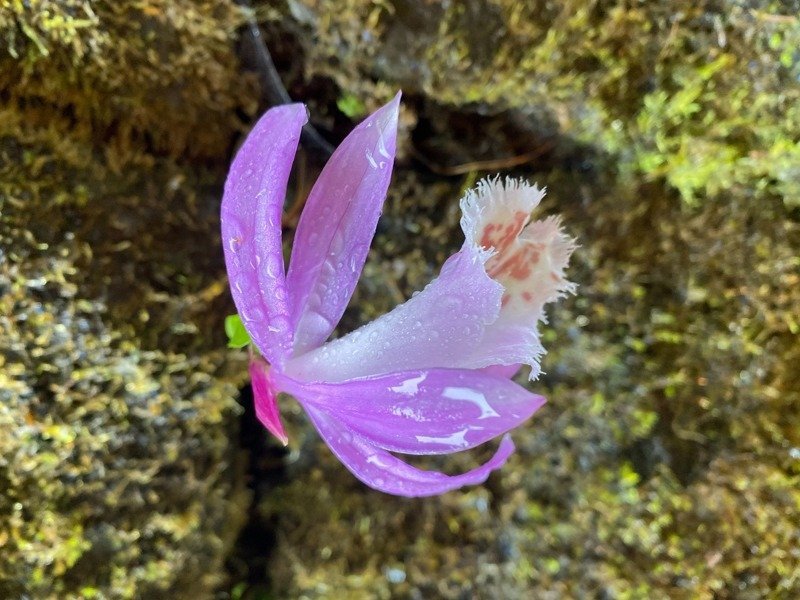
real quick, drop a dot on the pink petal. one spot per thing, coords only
(251, 228)
(441, 326)
(386, 473)
(337, 226)
(265, 397)
(435, 411)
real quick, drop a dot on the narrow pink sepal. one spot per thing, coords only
(337, 226)
(251, 211)
(432, 411)
(386, 473)
(265, 397)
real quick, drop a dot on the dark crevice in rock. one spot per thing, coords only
(247, 563)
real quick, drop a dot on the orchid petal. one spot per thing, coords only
(437, 327)
(435, 411)
(252, 205)
(386, 473)
(265, 398)
(337, 226)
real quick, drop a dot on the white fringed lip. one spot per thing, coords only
(528, 257)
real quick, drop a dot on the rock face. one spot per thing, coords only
(118, 423)
(665, 464)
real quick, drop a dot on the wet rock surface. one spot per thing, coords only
(120, 473)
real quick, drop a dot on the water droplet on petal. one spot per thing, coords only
(370, 159)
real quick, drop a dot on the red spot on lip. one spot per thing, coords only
(486, 238)
(517, 265)
(507, 232)
(527, 296)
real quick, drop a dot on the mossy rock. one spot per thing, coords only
(704, 96)
(155, 75)
(119, 459)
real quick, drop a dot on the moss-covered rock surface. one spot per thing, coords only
(118, 429)
(666, 463)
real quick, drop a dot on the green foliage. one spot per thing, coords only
(237, 334)
(351, 106)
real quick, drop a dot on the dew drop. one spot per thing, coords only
(370, 159)
(452, 303)
(382, 148)
(273, 266)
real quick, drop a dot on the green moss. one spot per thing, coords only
(116, 405)
(112, 457)
(120, 69)
(704, 97)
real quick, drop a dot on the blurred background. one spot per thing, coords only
(667, 461)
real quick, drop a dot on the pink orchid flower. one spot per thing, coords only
(432, 375)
